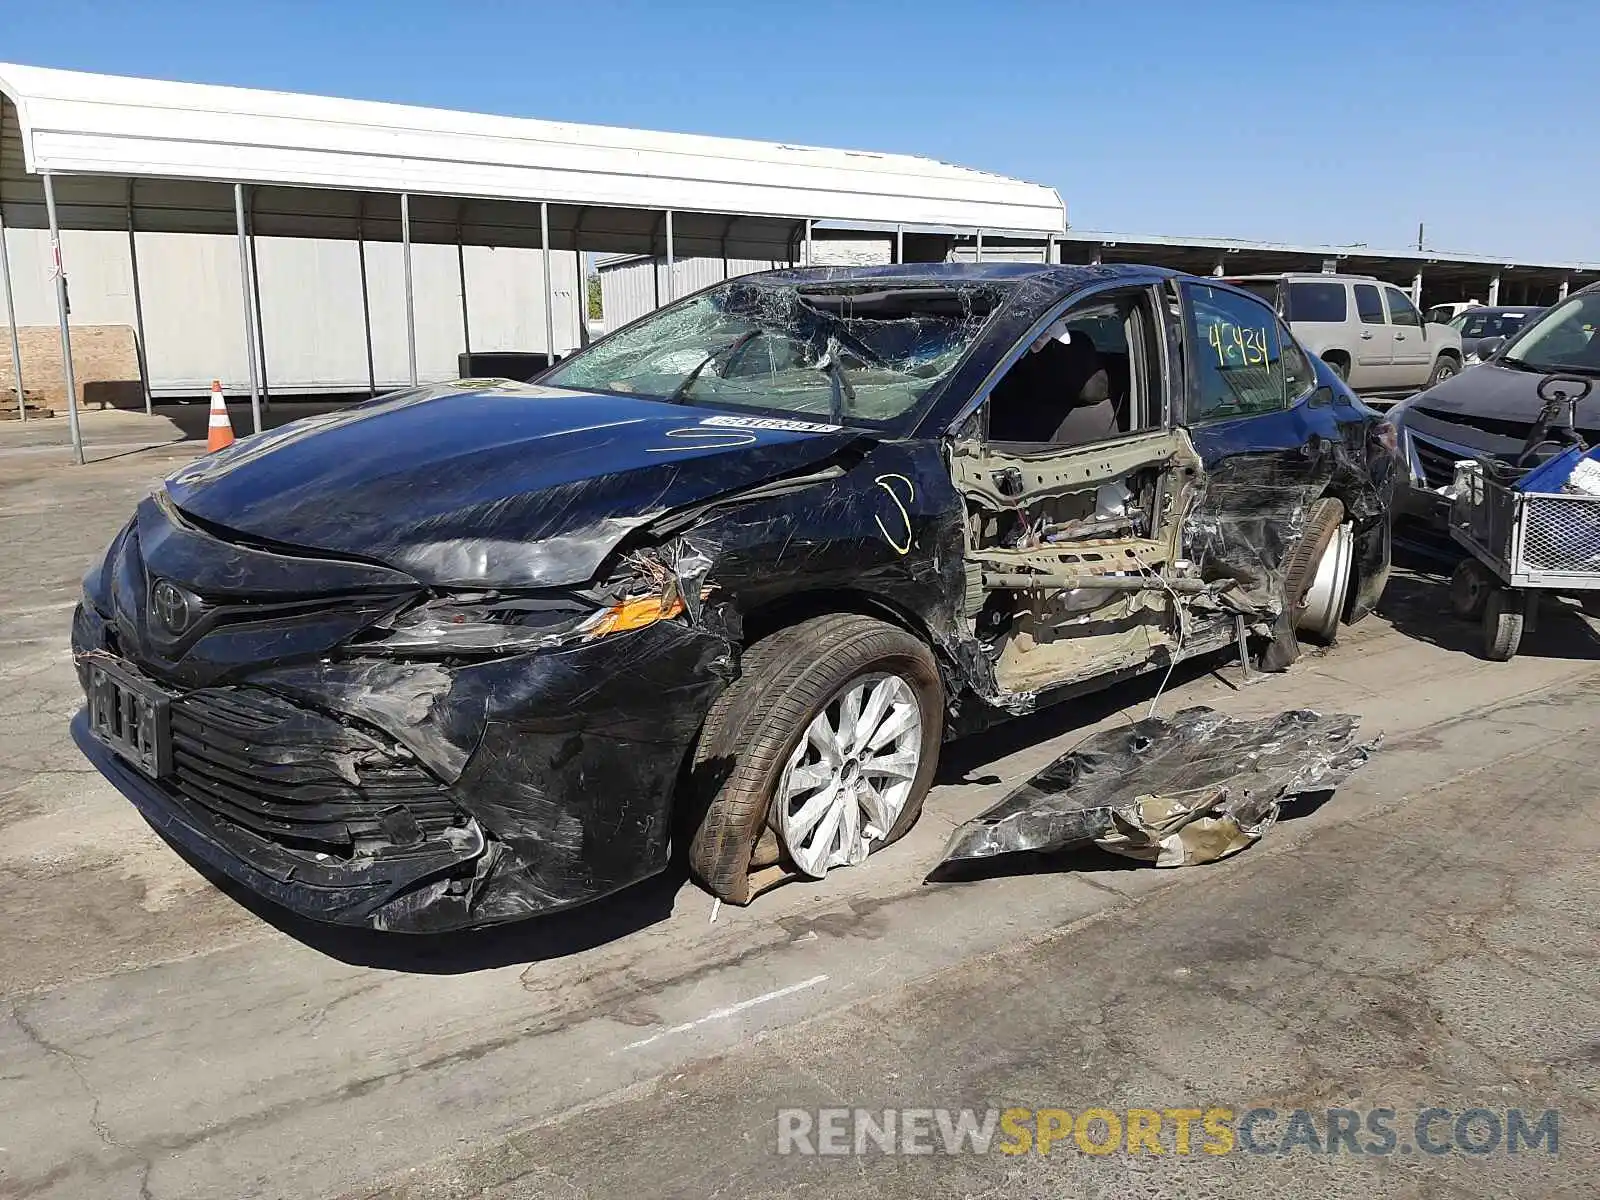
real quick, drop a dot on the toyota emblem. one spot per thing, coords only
(170, 603)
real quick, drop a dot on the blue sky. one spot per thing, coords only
(1328, 123)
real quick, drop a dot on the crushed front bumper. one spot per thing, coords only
(382, 893)
(510, 789)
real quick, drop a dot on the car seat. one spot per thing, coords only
(1059, 394)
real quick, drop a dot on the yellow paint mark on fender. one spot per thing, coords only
(905, 514)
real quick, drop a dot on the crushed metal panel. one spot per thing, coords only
(1190, 789)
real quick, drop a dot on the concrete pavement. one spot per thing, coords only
(1427, 934)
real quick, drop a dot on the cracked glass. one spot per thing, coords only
(861, 354)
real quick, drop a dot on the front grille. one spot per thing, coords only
(301, 779)
(1516, 431)
(1437, 462)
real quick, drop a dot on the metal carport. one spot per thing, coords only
(84, 151)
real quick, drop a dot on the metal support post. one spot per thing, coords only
(805, 249)
(461, 268)
(672, 291)
(11, 320)
(59, 271)
(411, 309)
(977, 251)
(1416, 289)
(549, 284)
(248, 295)
(900, 244)
(138, 306)
(366, 299)
(255, 292)
(1494, 289)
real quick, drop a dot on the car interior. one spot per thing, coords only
(1075, 497)
(1075, 384)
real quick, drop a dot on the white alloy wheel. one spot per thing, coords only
(851, 774)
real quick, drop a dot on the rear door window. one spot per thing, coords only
(1369, 306)
(1317, 302)
(1298, 377)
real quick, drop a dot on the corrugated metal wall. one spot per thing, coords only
(310, 305)
(632, 286)
(1000, 253)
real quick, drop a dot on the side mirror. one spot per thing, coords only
(1489, 347)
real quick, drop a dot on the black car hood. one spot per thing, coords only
(1497, 392)
(1487, 407)
(489, 483)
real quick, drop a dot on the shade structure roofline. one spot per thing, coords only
(76, 123)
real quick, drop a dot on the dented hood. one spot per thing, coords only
(490, 483)
(1488, 399)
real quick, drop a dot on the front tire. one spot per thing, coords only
(823, 750)
(1444, 369)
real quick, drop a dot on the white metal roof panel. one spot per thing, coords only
(77, 123)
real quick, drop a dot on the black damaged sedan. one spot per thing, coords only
(725, 579)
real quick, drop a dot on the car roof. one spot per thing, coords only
(1495, 310)
(1318, 276)
(1062, 274)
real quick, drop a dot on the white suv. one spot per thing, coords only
(1366, 330)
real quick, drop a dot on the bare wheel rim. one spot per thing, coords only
(849, 778)
(1324, 603)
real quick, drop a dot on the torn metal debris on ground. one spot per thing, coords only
(1190, 789)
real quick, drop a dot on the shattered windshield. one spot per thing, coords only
(1563, 339)
(863, 352)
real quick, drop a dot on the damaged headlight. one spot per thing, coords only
(1389, 435)
(489, 623)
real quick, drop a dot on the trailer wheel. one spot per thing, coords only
(1470, 586)
(1503, 619)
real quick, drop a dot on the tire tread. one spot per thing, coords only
(784, 678)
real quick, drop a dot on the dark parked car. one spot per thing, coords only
(471, 652)
(1491, 409)
(1479, 326)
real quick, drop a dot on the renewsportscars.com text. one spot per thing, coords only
(1213, 1130)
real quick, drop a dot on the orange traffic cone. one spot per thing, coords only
(220, 435)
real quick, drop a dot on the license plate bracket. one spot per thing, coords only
(130, 715)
